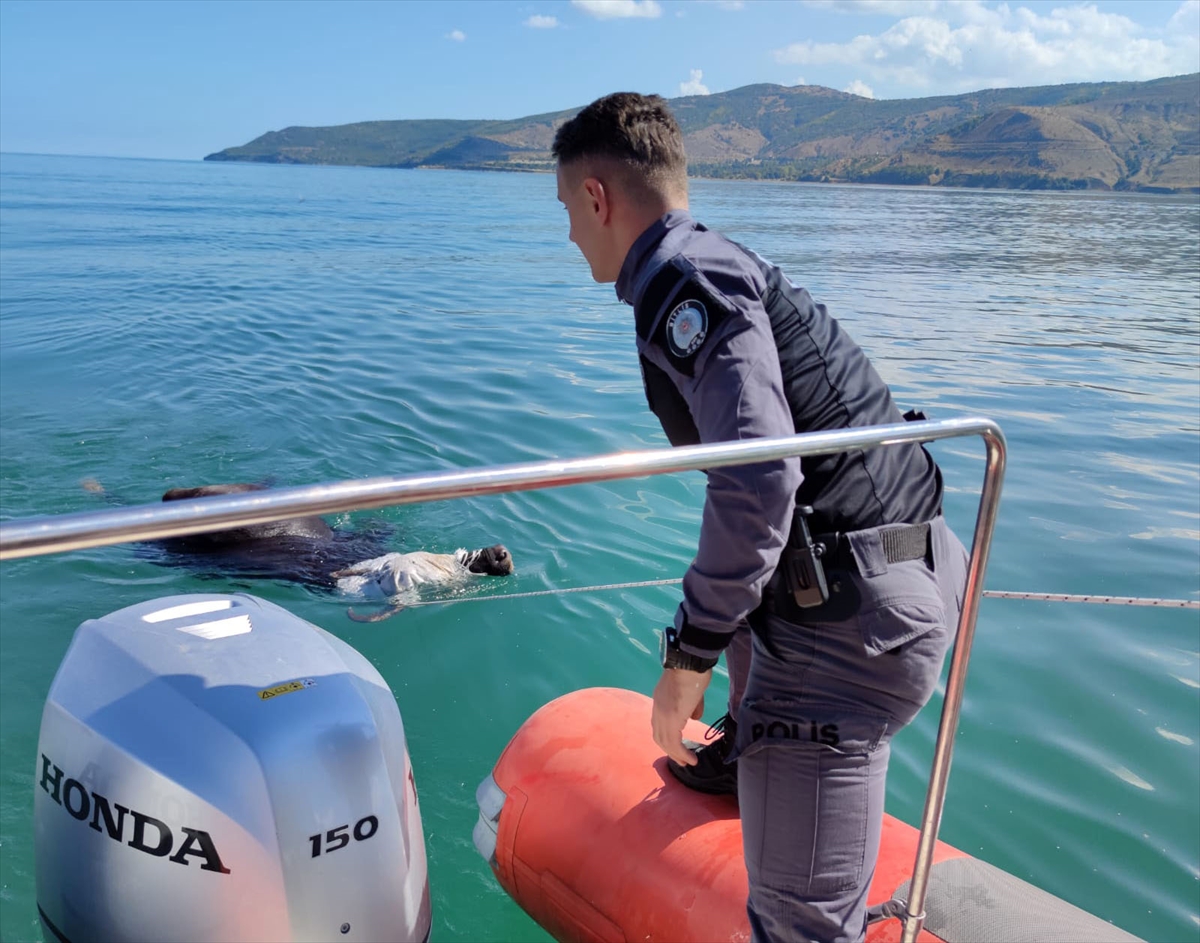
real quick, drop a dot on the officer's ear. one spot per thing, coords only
(599, 199)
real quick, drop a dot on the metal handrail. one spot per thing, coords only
(42, 535)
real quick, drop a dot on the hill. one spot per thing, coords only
(1108, 135)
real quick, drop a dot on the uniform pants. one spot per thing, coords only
(818, 695)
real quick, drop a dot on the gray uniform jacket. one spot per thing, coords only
(716, 346)
(731, 350)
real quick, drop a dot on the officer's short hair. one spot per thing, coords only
(638, 132)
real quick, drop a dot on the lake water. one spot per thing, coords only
(174, 323)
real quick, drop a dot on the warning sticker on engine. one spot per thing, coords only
(267, 693)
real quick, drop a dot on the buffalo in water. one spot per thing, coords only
(308, 551)
(302, 550)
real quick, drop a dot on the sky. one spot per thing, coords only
(176, 79)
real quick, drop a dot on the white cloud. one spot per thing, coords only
(457, 35)
(859, 87)
(973, 46)
(537, 21)
(1186, 19)
(800, 80)
(694, 85)
(619, 9)
(884, 7)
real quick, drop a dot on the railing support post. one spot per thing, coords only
(935, 796)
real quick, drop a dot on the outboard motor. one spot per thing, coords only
(211, 767)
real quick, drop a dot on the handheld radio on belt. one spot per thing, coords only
(802, 567)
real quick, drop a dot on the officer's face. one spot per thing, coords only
(585, 201)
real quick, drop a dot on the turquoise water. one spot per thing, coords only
(174, 323)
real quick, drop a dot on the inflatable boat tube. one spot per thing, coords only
(591, 835)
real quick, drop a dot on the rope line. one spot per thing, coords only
(546, 592)
(990, 593)
(1109, 600)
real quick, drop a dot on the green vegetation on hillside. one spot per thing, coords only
(1109, 135)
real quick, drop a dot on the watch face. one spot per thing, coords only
(662, 647)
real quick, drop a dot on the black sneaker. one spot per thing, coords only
(711, 774)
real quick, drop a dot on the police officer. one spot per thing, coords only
(832, 585)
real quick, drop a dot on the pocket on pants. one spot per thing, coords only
(886, 629)
(898, 606)
(806, 790)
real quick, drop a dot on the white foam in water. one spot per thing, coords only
(1130, 777)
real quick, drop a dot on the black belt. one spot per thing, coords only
(910, 542)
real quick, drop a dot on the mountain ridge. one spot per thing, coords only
(1103, 135)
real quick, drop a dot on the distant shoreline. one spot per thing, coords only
(736, 178)
(1172, 193)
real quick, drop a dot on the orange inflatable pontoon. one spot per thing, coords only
(588, 831)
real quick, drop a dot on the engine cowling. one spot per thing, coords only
(213, 767)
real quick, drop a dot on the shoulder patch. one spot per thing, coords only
(687, 327)
(688, 324)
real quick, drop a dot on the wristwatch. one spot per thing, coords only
(673, 657)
